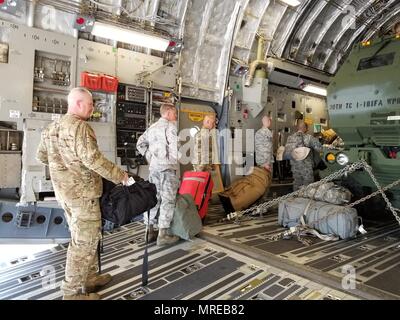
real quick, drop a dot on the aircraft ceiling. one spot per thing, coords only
(317, 33)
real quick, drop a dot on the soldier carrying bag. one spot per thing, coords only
(120, 204)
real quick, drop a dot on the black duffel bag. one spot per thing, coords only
(120, 204)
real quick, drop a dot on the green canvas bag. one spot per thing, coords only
(186, 222)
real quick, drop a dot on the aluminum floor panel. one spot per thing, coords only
(189, 270)
(375, 256)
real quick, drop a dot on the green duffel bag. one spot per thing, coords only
(186, 222)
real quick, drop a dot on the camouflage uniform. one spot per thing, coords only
(264, 153)
(205, 150)
(303, 173)
(159, 144)
(69, 147)
(263, 146)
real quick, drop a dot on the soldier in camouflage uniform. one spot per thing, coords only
(264, 145)
(69, 147)
(302, 170)
(264, 149)
(206, 146)
(159, 144)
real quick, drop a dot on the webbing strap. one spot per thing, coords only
(201, 180)
(361, 228)
(145, 265)
(99, 254)
(304, 215)
(325, 237)
(100, 249)
(309, 230)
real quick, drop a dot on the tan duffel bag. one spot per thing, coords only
(242, 193)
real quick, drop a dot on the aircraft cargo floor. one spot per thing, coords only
(375, 256)
(228, 261)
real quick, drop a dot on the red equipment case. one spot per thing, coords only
(109, 83)
(200, 186)
(91, 81)
(99, 82)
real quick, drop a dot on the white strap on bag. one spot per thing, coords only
(324, 237)
(361, 227)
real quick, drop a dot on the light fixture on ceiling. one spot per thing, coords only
(314, 89)
(130, 36)
(293, 3)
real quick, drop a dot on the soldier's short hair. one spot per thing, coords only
(210, 116)
(165, 107)
(77, 90)
(302, 125)
(266, 118)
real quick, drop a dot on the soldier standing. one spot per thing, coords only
(159, 144)
(69, 147)
(264, 150)
(302, 165)
(264, 145)
(206, 146)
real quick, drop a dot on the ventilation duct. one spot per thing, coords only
(257, 67)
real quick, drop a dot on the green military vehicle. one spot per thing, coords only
(364, 110)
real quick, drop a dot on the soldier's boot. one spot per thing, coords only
(98, 281)
(164, 238)
(151, 233)
(82, 296)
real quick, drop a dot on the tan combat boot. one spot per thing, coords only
(164, 238)
(95, 283)
(82, 296)
(151, 233)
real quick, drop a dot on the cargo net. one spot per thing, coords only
(304, 229)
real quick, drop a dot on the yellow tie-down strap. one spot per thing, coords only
(197, 116)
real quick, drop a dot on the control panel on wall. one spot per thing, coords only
(51, 82)
(131, 121)
(102, 106)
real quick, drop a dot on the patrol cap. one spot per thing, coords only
(300, 153)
